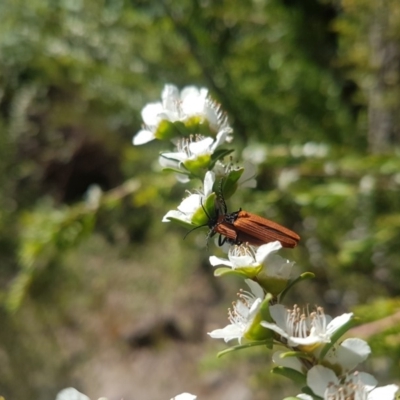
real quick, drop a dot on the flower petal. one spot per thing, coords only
(185, 396)
(71, 394)
(143, 137)
(338, 322)
(150, 113)
(228, 333)
(193, 100)
(266, 249)
(178, 156)
(385, 392)
(201, 147)
(247, 179)
(351, 352)
(214, 261)
(209, 180)
(175, 214)
(242, 261)
(274, 328)
(303, 396)
(170, 98)
(278, 314)
(319, 377)
(368, 380)
(190, 204)
(256, 289)
(220, 139)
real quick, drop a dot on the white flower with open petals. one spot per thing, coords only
(190, 107)
(300, 328)
(170, 109)
(192, 154)
(358, 385)
(242, 315)
(191, 204)
(245, 256)
(188, 149)
(272, 270)
(239, 256)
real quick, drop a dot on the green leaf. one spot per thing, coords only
(244, 346)
(229, 186)
(203, 214)
(307, 390)
(176, 170)
(297, 354)
(167, 130)
(258, 332)
(199, 165)
(264, 308)
(290, 373)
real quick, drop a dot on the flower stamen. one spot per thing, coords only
(242, 250)
(349, 390)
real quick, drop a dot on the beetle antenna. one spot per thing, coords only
(193, 229)
(205, 211)
(211, 222)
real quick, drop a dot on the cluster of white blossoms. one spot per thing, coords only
(197, 128)
(193, 122)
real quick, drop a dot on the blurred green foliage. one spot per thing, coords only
(312, 89)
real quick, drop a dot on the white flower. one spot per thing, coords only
(304, 329)
(192, 203)
(359, 385)
(239, 256)
(187, 149)
(272, 270)
(174, 106)
(185, 396)
(192, 153)
(151, 118)
(348, 354)
(242, 315)
(71, 394)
